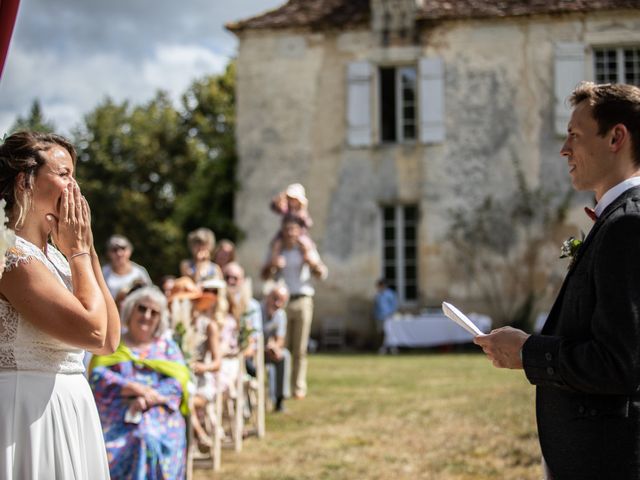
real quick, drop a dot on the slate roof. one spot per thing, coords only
(318, 14)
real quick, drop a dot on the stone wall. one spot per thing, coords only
(498, 108)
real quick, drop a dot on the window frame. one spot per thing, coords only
(400, 120)
(399, 245)
(620, 61)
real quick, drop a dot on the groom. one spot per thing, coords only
(586, 361)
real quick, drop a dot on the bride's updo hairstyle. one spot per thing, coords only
(21, 152)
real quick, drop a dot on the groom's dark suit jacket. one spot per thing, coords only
(586, 362)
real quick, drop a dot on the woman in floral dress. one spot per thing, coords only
(140, 391)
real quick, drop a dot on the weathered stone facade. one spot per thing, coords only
(498, 106)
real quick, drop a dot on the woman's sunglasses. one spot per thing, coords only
(143, 309)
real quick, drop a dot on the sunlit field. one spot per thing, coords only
(429, 415)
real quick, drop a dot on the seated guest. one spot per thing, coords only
(207, 318)
(277, 358)
(141, 393)
(224, 253)
(121, 273)
(243, 305)
(166, 284)
(126, 291)
(200, 267)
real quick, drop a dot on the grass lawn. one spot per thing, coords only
(428, 416)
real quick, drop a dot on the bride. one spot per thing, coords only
(53, 304)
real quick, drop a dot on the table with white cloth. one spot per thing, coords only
(429, 330)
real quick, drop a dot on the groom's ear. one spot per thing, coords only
(619, 134)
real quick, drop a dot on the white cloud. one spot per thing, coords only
(174, 67)
(69, 89)
(70, 54)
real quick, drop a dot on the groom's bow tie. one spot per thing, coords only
(591, 213)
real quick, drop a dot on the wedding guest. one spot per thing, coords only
(54, 303)
(292, 204)
(224, 253)
(166, 284)
(385, 304)
(585, 363)
(141, 393)
(208, 314)
(277, 358)
(200, 267)
(121, 273)
(296, 273)
(245, 308)
(126, 291)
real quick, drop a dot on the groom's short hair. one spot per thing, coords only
(613, 103)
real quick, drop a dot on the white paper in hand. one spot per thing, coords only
(460, 318)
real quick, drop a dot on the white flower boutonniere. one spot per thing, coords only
(7, 237)
(570, 248)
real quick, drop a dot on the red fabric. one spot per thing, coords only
(8, 12)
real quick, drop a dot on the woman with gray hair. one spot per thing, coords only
(141, 393)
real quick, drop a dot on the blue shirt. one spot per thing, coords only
(385, 304)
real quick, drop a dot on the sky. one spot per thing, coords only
(71, 54)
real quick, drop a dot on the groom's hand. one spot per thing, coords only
(503, 346)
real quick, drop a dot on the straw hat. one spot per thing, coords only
(212, 284)
(185, 288)
(208, 299)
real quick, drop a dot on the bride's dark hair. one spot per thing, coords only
(21, 152)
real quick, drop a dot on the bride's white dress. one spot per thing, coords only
(49, 424)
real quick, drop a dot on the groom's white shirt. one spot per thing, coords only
(615, 192)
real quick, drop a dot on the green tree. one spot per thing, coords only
(209, 124)
(133, 164)
(35, 120)
(154, 173)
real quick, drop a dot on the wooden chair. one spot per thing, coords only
(212, 424)
(256, 391)
(233, 406)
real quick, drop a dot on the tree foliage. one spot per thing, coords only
(209, 122)
(153, 173)
(35, 120)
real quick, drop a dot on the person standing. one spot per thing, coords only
(54, 303)
(295, 269)
(585, 364)
(385, 304)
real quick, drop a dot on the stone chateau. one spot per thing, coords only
(394, 112)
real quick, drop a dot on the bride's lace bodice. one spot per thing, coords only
(22, 345)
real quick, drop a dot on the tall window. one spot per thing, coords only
(617, 65)
(398, 104)
(400, 250)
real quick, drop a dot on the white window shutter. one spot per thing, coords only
(569, 71)
(431, 98)
(359, 104)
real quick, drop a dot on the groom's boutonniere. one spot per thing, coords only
(570, 247)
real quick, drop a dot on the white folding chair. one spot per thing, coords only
(255, 390)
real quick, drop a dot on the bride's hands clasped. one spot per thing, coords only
(71, 231)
